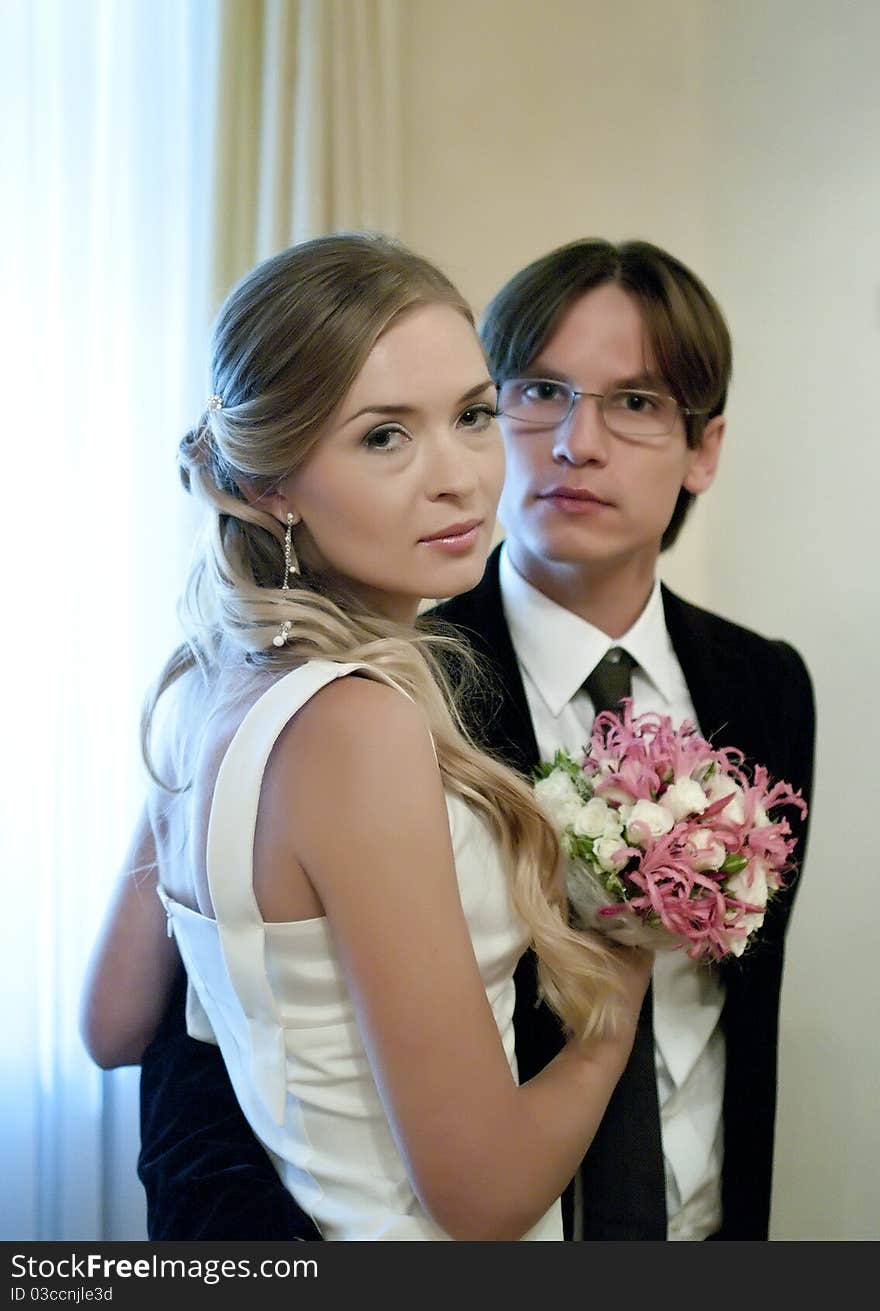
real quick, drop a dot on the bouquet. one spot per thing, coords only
(670, 843)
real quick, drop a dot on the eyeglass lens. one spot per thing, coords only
(544, 403)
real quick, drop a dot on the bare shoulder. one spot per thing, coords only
(359, 747)
(353, 785)
(358, 716)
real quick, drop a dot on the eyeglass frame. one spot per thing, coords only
(601, 397)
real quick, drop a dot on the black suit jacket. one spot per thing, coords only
(204, 1173)
(747, 692)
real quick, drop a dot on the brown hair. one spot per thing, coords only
(684, 324)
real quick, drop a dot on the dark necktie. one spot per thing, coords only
(611, 680)
(622, 1177)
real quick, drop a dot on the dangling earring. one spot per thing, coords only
(291, 566)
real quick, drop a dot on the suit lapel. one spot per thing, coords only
(720, 682)
(724, 688)
(727, 698)
(719, 679)
(500, 717)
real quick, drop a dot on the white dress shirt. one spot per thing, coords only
(556, 651)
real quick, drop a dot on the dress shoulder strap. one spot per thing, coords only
(229, 860)
(233, 819)
(230, 864)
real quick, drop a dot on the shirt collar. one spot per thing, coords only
(559, 650)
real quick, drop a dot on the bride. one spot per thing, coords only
(350, 881)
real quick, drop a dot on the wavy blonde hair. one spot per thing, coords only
(288, 343)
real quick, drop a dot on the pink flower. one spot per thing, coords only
(706, 852)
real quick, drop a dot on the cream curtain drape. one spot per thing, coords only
(109, 109)
(308, 130)
(158, 149)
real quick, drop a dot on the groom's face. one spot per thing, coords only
(579, 494)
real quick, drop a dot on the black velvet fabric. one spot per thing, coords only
(204, 1173)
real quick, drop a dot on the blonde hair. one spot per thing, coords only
(288, 343)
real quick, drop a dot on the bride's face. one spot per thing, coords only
(399, 495)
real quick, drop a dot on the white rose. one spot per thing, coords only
(606, 850)
(710, 852)
(593, 818)
(750, 885)
(614, 824)
(720, 785)
(559, 797)
(657, 819)
(746, 927)
(685, 797)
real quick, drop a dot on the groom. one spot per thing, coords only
(613, 365)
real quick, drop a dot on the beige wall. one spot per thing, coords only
(529, 124)
(793, 251)
(744, 138)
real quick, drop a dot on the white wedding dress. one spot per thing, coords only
(274, 998)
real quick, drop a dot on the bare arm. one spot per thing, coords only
(367, 821)
(132, 967)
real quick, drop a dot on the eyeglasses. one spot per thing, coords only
(627, 412)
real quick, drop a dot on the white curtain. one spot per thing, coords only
(156, 150)
(309, 125)
(108, 109)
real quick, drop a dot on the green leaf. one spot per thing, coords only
(562, 760)
(581, 847)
